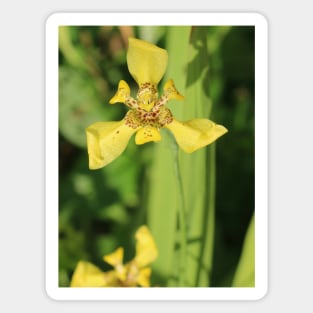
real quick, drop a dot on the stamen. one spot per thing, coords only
(161, 101)
(147, 96)
(132, 103)
(170, 92)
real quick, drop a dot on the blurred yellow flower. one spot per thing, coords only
(134, 273)
(147, 115)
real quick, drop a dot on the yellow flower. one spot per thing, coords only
(134, 273)
(147, 115)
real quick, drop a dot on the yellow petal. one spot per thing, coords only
(132, 271)
(106, 141)
(87, 275)
(143, 278)
(111, 279)
(115, 258)
(146, 250)
(171, 92)
(147, 134)
(146, 62)
(123, 92)
(194, 134)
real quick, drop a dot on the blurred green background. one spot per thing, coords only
(100, 210)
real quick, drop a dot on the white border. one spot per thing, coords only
(261, 156)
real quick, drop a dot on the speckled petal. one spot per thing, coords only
(106, 141)
(147, 134)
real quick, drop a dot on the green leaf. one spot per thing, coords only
(73, 55)
(151, 33)
(198, 168)
(245, 272)
(80, 105)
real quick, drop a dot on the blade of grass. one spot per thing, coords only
(198, 169)
(245, 272)
(194, 167)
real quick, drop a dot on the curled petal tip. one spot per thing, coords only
(122, 94)
(115, 258)
(171, 92)
(195, 134)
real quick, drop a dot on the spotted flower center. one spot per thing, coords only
(148, 109)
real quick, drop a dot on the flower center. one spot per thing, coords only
(148, 109)
(147, 96)
(139, 117)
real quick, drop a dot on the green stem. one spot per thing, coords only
(182, 221)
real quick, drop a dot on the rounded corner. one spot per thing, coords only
(262, 293)
(51, 294)
(52, 18)
(262, 18)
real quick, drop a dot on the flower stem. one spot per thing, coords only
(181, 221)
